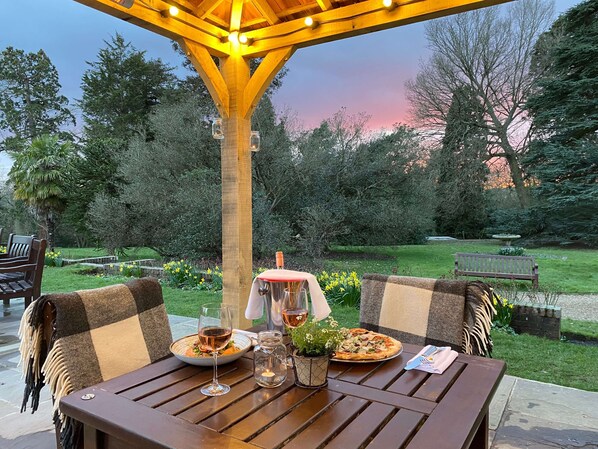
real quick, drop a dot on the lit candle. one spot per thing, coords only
(268, 373)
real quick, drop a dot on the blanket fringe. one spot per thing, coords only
(30, 362)
(476, 338)
(57, 377)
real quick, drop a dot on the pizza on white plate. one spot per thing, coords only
(362, 344)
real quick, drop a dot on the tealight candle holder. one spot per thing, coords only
(269, 359)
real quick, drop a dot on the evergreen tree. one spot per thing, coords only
(30, 103)
(461, 170)
(564, 155)
(120, 89)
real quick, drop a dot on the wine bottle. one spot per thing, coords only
(279, 260)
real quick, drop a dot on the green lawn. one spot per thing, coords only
(562, 270)
(529, 357)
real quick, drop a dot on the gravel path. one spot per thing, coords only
(579, 307)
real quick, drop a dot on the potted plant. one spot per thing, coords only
(314, 344)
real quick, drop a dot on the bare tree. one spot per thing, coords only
(490, 51)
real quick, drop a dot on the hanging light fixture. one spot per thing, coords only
(254, 141)
(173, 11)
(217, 132)
(124, 3)
(233, 37)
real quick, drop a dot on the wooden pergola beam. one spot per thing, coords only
(325, 5)
(353, 20)
(206, 7)
(149, 16)
(209, 73)
(262, 77)
(236, 13)
(265, 10)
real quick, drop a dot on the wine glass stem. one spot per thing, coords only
(215, 378)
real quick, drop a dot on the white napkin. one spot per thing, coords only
(440, 361)
(319, 305)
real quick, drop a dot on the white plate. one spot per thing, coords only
(368, 361)
(179, 348)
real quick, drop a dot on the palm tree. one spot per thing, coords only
(38, 176)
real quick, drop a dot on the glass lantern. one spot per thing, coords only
(217, 132)
(269, 359)
(254, 141)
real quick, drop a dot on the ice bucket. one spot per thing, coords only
(272, 289)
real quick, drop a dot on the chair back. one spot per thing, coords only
(18, 245)
(425, 311)
(38, 257)
(90, 336)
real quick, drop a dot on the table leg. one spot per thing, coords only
(480, 440)
(92, 439)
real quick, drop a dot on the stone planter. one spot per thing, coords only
(536, 319)
(311, 372)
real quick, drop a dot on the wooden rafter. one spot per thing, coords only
(235, 15)
(353, 20)
(209, 73)
(262, 78)
(147, 14)
(324, 4)
(266, 10)
(206, 7)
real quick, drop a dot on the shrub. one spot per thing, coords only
(341, 288)
(181, 274)
(52, 259)
(504, 313)
(130, 270)
(511, 251)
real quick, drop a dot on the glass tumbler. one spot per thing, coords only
(269, 359)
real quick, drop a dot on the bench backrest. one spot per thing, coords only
(18, 245)
(490, 263)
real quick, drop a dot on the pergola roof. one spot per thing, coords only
(273, 24)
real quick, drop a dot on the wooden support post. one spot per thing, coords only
(236, 189)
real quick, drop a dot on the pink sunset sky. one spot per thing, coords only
(364, 74)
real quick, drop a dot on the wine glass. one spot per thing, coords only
(294, 307)
(215, 331)
(294, 311)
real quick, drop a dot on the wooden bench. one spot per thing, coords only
(30, 286)
(494, 266)
(18, 252)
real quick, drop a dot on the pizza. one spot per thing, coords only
(362, 344)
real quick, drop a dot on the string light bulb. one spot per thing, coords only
(310, 22)
(173, 11)
(389, 4)
(233, 37)
(243, 39)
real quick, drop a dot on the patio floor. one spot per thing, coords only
(524, 413)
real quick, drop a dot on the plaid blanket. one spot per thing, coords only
(429, 311)
(98, 334)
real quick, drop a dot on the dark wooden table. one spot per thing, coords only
(374, 405)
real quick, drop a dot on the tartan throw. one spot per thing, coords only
(98, 334)
(424, 311)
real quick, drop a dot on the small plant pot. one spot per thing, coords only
(311, 372)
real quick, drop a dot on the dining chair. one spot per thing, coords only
(70, 341)
(424, 311)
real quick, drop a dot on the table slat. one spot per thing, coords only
(271, 412)
(157, 384)
(296, 420)
(398, 430)
(246, 406)
(214, 404)
(142, 375)
(329, 423)
(362, 428)
(437, 384)
(408, 382)
(195, 396)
